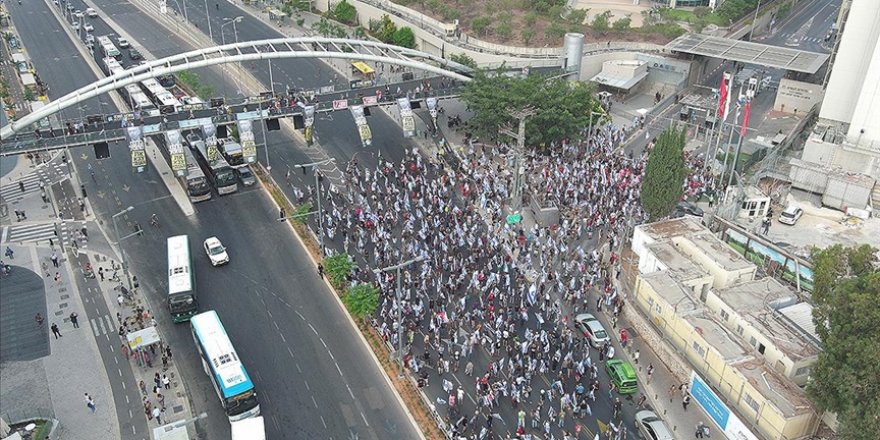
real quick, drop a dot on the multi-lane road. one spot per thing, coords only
(314, 377)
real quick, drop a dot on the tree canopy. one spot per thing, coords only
(562, 107)
(665, 173)
(846, 378)
(362, 300)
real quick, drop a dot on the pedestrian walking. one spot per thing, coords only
(636, 357)
(321, 270)
(10, 253)
(650, 373)
(101, 273)
(90, 402)
(21, 185)
(686, 401)
(57, 276)
(701, 430)
(74, 319)
(54, 259)
(166, 382)
(55, 330)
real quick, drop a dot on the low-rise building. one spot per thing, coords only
(748, 338)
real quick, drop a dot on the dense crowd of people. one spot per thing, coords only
(490, 302)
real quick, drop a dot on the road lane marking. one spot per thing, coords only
(365, 419)
(313, 328)
(349, 392)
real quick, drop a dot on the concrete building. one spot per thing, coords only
(846, 139)
(747, 337)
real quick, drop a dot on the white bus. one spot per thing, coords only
(181, 282)
(107, 48)
(249, 429)
(160, 95)
(222, 364)
(195, 182)
(222, 175)
(136, 98)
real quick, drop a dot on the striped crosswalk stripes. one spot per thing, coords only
(34, 233)
(13, 190)
(103, 325)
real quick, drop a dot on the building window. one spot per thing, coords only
(753, 341)
(724, 315)
(650, 301)
(802, 371)
(699, 349)
(739, 329)
(751, 402)
(658, 309)
(761, 348)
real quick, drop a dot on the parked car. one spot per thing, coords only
(75, 25)
(91, 12)
(790, 215)
(592, 329)
(90, 39)
(216, 252)
(123, 43)
(687, 208)
(134, 54)
(652, 427)
(246, 176)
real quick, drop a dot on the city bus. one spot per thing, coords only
(160, 95)
(219, 172)
(195, 182)
(107, 48)
(181, 282)
(233, 153)
(136, 98)
(222, 364)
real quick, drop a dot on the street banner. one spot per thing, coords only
(246, 138)
(309, 115)
(310, 135)
(746, 118)
(723, 103)
(409, 126)
(133, 133)
(371, 100)
(366, 135)
(175, 149)
(340, 104)
(138, 155)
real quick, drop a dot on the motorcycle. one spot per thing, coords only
(87, 271)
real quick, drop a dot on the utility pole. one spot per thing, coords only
(518, 156)
(399, 305)
(316, 166)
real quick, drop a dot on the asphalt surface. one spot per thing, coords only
(21, 294)
(314, 378)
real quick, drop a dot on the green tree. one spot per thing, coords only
(847, 317)
(385, 29)
(505, 28)
(463, 59)
(665, 173)
(576, 18)
(343, 12)
(362, 300)
(602, 22)
(555, 30)
(622, 25)
(404, 37)
(338, 267)
(562, 107)
(480, 25)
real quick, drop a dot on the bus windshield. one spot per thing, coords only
(181, 303)
(241, 403)
(224, 176)
(198, 186)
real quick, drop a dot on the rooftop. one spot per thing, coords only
(757, 295)
(675, 227)
(800, 316)
(716, 335)
(671, 291)
(682, 268)
(718, 251)
(749, 52)
(785, 395)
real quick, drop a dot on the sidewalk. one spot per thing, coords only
(73, 366)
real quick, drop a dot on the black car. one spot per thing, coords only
(134, 54)
(687, 208)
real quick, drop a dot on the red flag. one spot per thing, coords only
(746, 118)
(722, 95)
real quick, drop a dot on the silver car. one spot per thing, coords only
(592, 329)
(652, 427)
(246, 176)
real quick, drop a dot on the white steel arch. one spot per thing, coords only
(302, 47)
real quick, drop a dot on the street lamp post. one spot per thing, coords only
(519, 152)
(318, 195)
(208, 16)
(754, 22)
(121, 249)
(399, 305)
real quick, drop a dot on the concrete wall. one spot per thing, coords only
(796, 97)
(722, 277)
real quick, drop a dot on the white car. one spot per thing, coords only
(91, 12)
(216, 252)
(652, 427)
(592, 329)
(791, 215)
(123, 43)
(88, 27)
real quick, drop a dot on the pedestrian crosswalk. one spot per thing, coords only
(801, 39)
(35, 233)
(29, 184)
(103, 325)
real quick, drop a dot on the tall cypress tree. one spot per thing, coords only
(665, 174)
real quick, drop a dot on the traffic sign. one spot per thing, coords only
(340, 104)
